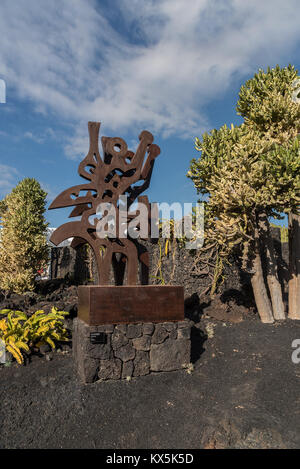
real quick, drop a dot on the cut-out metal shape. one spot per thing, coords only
(108, 178)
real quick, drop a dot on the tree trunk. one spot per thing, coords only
(272, 269)
(259, 289)
(294, 266)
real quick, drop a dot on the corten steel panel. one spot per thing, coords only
(130, 304)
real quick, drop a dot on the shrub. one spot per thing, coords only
(23, 243)
(19, 332)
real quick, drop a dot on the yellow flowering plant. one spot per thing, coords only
(21, 333)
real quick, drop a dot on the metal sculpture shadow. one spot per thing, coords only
(109, 177)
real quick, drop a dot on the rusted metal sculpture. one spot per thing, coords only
(109, 177)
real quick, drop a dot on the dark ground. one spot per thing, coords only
(243, 393)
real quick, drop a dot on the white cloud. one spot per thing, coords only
(33, 137)
(41, 137)
(8, 178)
(154, 64)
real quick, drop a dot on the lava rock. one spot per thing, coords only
(110, 369)
(127, 369)
(160, 334)
(125, 353)
(142, 343)
(141, 364)
(148, 328)
(134, 331)
(118, 339)
(170, 355)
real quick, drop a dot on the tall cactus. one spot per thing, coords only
(252, 172)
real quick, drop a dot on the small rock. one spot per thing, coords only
(184, 333)
(110, 369)
(102, 351)
(8, 357)
(169, 326)
(159, 335)
(134, 331)
(118, 339)
(142, 343)
(122, 328)
(59, 305)
(125, 353)
(66, 347)
(148, 328)
(44, 348)
(182, 324)
(141, 364)
(170, 355)
(127, 369)
(106, 328)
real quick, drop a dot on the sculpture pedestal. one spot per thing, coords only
(130, 350)
(125, 304)
(129, 331)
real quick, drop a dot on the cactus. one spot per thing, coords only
(252, 172)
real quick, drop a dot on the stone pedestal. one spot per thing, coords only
(130, 350)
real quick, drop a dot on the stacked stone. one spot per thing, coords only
(131, 350)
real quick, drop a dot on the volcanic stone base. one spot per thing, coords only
(131, 349)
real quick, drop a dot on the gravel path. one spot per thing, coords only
(243, 393)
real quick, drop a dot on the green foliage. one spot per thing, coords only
(284, 232)
(23, 244)
(166, 244)
(170, 239)
(215, 148)
(252, 168)
(266, 105)
(21, 333)
(3, 207)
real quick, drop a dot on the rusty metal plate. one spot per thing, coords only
(130, 304)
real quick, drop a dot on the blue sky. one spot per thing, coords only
(173, 67)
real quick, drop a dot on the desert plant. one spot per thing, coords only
(283, 232)
(167, 242)
(19, 332)
(266, 104)
(23, 244)
(270, 104)
(252, 172)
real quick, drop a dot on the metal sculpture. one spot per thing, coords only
(109, 177)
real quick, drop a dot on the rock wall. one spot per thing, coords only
(66, 262)
(175, 269)
(130, 350)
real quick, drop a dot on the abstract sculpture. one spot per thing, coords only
(109, 177)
